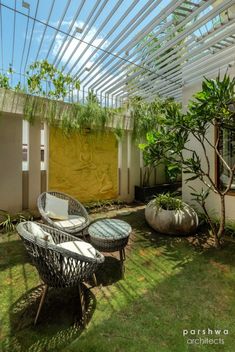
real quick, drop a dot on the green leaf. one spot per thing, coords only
(192, 178)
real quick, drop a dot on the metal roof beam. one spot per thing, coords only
(141, 15)
(163, 49)
(187, 56)
(58, 27)
(45, 28)
(155, 22)
(117, 24)
(104, 23)
(189, 30)
(96, 15)
(61, 52)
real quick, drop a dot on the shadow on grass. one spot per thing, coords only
(200, 295)
(12, 252)
(109, 272)
(147, 239)
(171, 284)
(59, 321)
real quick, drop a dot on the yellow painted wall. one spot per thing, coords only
(83, 165)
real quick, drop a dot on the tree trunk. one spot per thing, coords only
(213, 228)
(220, 232)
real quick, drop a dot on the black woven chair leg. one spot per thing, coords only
(94, 279)
(82, 306)
(122, 259)
(41, 303)
(84, 235)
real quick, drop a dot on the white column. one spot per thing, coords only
(119, 166)
(129, 155)
(134, 168)
(46, 152)
(34, 163)
(123, 168)
(10, 163)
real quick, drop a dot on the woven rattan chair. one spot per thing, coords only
(75, 209)
(58, 267)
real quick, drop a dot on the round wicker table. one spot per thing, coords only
(110, 235)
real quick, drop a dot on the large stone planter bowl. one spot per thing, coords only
(171, 222)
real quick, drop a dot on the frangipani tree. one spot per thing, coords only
(213, 107)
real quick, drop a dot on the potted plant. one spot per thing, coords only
(170, 215)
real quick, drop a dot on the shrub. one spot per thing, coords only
(168, 202)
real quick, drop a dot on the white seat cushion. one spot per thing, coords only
(79, 247)
(56, 208)
(73, 221)
(39, 233)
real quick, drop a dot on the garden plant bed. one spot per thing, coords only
(146, 193)
(171, 284)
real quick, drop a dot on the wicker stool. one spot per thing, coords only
(110, 235)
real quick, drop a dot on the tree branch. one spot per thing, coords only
(215, 147)
(230, 180)
(211, 186)
(207, 174)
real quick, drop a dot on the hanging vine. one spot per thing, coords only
(49, 87)
(48, 82)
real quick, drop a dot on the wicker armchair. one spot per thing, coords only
(75, 209)
(58, 267)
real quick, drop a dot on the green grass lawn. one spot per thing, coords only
(171, 284)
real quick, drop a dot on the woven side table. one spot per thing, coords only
(110, 235)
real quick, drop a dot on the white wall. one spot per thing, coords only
(213, 203)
